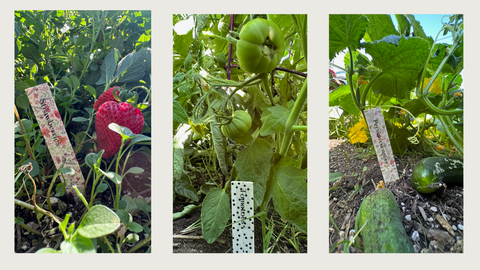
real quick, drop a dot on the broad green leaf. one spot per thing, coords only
(181, 43)
(200, 21)
(67, 80)
(125, 132)
(135, 227)
(274, 120)
(132, 67)
(179, 113)
(91, 90)
(124, 217)
(101, 188)
(183, 186)
(140, 138)
(417, 28)
(403, 25)
(215, 214)
(400, 60)
(79, 119)
(253, 165)
(342, 97)
(177, 162)
(75, 82)
(416, 107)
(108, 67)
(99, 221)
(135, 170)
(345, 31)
(219, 145)
(142, 205)
(22, 102)
(334, 176)
(290, 192)
(79, 244)
(60, 189)
(380, 26)
(93, 159)
(116, 178)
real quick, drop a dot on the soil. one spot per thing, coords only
(433, 236)
(134, 185)
(192, 241)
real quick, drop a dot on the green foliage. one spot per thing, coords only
(80, 54)
(411, 76)
(209, 88)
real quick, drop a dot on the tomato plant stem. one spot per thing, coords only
(293, 118)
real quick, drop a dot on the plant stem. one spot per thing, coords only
(266, 87)
(293, 118)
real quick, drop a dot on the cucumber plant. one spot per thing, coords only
(413, 77)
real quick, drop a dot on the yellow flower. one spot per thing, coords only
(440, 147)
(361, 81)
(380, 185)
(358, 132)
(435, 88)
(458, 94)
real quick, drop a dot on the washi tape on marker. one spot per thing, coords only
(55, 136)
(242, 208)
(378, 132)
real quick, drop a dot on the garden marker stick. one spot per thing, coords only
(56, 137)
(242, 208)
(379, 134)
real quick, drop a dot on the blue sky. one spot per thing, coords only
(431, 23)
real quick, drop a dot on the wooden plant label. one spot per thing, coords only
(55, 136)
(379, 134)
(242, 208)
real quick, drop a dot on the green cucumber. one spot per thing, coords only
(381, 224)
(431, 173)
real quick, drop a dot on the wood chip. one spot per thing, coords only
(445, 224)
(422, 212)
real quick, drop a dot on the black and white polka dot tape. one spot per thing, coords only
(242, 208)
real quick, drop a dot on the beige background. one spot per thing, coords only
(317, 257)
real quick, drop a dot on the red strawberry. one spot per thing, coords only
(106, 96)
(123, 114)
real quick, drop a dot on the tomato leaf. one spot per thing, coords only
(253, 165)
(215, 214)
(290, 192)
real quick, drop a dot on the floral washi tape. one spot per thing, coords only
(242, 208)
(55, 136)
(376, 125)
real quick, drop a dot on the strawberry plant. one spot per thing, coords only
(240, 114)
(413, 77)
(96, 65)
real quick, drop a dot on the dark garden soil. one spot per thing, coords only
(45, 231)
(192, 241)
(420, 213)
(187, 240)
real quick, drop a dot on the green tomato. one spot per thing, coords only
(240, 124)
(260, 47)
